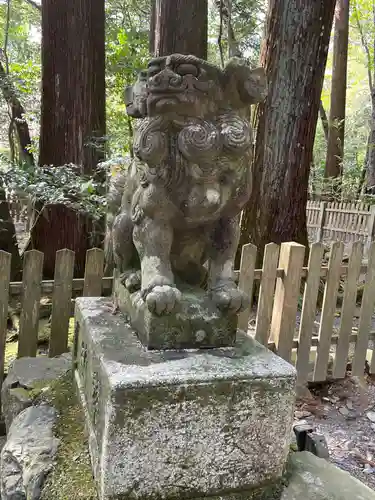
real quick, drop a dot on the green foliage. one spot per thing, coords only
(63, 184)
(247, 18)
(127, 53)
(358, 108)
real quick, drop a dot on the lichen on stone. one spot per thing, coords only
(71, 477)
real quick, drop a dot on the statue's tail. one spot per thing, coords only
(116, 184)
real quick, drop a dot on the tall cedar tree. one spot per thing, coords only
(336, 123)
(294, 55)
(370, 152)
(73, 115)
(18, 128)
(180, 27)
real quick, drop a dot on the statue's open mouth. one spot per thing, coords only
(166, 90)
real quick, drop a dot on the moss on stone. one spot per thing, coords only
(71, 332)
(71, 477)
(20, 392)
(11, 349)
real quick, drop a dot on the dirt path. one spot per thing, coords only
(344, 412)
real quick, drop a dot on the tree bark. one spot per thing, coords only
(370, 153)
(181, 27)
(294, 55)
(73, 83)
(8, 239)
(336, 123)
(17, 114)
(152, 27)
(73, 114)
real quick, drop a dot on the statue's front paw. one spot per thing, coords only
(228, 298)
(131, 280)
(163, 299)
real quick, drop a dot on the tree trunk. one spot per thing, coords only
(294, 55)
(73, 83)
(336, 124)
(73, 113)
(151, 47)
(17, 113)
(181, 27)
(8, 239)
(323, 117)
(370, 153)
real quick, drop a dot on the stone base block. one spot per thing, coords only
(197, 322)
(180, 424)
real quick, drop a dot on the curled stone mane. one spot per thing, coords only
(235, 132)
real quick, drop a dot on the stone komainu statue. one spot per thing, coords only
(173, 215)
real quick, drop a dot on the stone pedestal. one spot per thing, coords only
(187, 424)
(197, 322)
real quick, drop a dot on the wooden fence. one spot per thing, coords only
(286, 309)
(340, 221)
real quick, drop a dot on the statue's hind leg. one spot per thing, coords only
(125, 255)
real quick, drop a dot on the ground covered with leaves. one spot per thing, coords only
(344, 412)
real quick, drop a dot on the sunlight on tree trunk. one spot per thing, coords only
(17, 116)
(336, 123)
(370, 155)
(8, 240)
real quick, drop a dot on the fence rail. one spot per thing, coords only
(285, 316)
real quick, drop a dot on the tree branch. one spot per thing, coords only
(17, 116)
(6, 38)
(219, 40)
(34, 4)
(323, 116)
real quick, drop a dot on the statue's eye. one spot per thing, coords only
(152, 71)
(187, 69)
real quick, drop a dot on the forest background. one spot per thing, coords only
(234, 27)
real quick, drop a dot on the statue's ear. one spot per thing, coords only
(255, 87)
(135, 97)
(250, 84)
(135, 104)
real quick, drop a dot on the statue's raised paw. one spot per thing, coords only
(163, 299)
(228, 298)
(131, 280)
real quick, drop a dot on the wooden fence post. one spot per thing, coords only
(367, 309)
(308, 314)
(370, 227)
(29, 320)
(61, 302)
(267, 289)
(94, 271)
(246, 281)
(328, 311)
(347, 311)
(287, 293)
(321, 221)
(5, 265)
